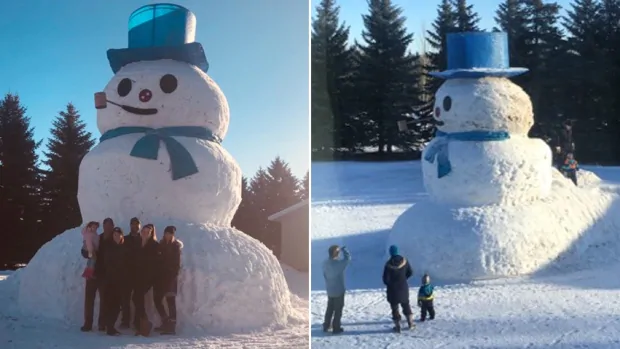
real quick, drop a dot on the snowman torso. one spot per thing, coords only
(486, 171)
(112, 183)
(161, 95)
(514, 170)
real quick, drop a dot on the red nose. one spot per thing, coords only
(437, 112)
(145, 95)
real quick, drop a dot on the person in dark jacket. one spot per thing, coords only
(425, 298)
(147, 259)
(116, 277)
(395, 274)
(132, 244)
(167, 280)
(95, 284)
(570, 168)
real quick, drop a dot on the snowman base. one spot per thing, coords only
(572, 227)
(229, 282)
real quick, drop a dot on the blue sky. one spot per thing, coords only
(54, 52)
(420, 14)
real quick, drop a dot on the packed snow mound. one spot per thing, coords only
(483, 173)
(229, 282)
(487, 104)
(573, 226)
(118, 185)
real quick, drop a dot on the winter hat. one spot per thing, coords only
(393, 250)
(426, 279)
(134, 220)
(333, 251)
(170, 229)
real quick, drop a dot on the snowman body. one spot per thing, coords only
(114, 183)
(514, 168)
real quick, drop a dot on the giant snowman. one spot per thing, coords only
(162, 119)
(496, 206)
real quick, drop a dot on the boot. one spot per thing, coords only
(410, 322)
(396, 326)
(169, 327)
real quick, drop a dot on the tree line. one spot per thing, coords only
(361, 90)
(38, 196)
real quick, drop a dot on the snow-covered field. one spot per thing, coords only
(29, 333)
(356, 204)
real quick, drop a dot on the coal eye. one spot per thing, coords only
(124, 87)
(168, 83)
(447, 103)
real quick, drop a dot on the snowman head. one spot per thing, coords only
(163, 93)
(485, 104)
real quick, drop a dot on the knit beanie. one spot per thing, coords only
(393, 250)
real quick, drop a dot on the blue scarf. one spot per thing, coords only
(439, 149)
(147, 147)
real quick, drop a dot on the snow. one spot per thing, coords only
(115, 184)
(572, 303)
(511, 171)
(18, 331)
(487, 104)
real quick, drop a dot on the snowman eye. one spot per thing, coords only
(168, 83)
(124, 87)
(447, 103)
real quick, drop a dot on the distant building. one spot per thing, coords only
(294, 235)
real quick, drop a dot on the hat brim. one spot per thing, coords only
(478, 73)
(191, 53)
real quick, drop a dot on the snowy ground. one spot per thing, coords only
(355, 204)
(27, 333)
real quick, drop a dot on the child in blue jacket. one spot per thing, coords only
(425, 298)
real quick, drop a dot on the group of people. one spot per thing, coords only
(123, 268)
(396, 274)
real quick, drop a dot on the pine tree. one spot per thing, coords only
(260, 197)
(436, 59)
(585, 84)
(387, 75)
(331, 57)
(68, 144)
(20, 204)
(245, 217)
(466, 18)
(304, 192)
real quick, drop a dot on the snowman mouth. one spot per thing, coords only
(134, 110)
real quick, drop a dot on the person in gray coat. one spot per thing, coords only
(333, 271)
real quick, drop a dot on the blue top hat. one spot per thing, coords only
(160, 31)
(476, 55)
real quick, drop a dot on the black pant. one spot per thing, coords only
(158, 298)
(427, 307)
(90, 292)
(572, 175)
(138, 301)
(113, 294)
(127, 291)
(334, 309)
(396, 314)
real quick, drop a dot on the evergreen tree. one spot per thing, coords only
(436, 59)
(245, 217)
(20, 204)
(330, 58)
(466, 18)
(387, 76)
(585, 84)
(304, 193)
(68, 144)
